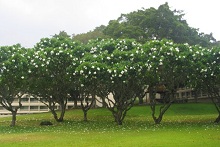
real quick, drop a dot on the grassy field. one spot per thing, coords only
(183, 125)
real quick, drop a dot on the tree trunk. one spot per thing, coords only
(13, 121)
(85, 116)
(141, 100)
(165, 106)
(217, 119)
(75, 103)
(159, 119)
(118, 117)
(63, 110)
(54, 114)
(118, 120)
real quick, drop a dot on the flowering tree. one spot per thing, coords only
(168, 67)
(13, 80)
(205, 75)
(113, 68)
(48, 71)
(85, 94)
(213, 79)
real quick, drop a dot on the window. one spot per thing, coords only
(43, 108)
(33, 100)
(33, 108)
(25, 99)
(24, 108)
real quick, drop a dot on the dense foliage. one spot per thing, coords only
(114, 71)
(13, 82)
(146, 24)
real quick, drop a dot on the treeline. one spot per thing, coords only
(147, 24)
(58, 69)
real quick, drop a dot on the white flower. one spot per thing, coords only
(29, 71)
(81, 71)
(98, 68)
(82, 85)
(94, 72)
(93, 67)
(22, 77)
(108, 58)
(177, 49)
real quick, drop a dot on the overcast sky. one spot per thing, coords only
(27, 21)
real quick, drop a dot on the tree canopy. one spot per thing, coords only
(161, 23)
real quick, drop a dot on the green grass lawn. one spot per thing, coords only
(183, 125)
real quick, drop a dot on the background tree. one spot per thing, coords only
(94, 34)
(146, 24)
(13, 78)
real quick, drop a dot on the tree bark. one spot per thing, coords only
(63, 110)
(75, 103)
(85, 116)
(118, 118)
(13, 121)
(217, 120)
(54, 114)
(141, 100)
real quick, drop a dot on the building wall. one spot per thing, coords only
(32, 105)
